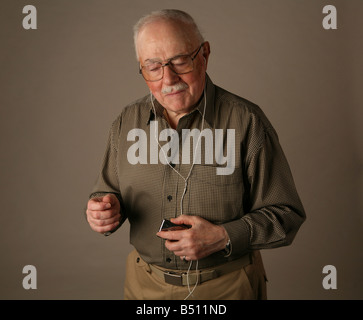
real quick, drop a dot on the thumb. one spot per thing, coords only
(109, 198)
(184, 219)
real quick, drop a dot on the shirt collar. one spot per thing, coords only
(209, 111)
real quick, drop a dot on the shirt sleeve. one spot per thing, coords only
(274, 212)
(107, 180)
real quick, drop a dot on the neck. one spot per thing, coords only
(173, 118)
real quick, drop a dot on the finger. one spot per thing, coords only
(105, 222)
(184, 219)
(181, 254)
(97, 205)
(171, 235)
(110, 198)
(184, 255)
(104, 229)
(184, 258)
(102, 215)
(175, 246)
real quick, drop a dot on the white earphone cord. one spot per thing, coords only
(185, 179)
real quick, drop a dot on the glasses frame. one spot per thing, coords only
(169, 63)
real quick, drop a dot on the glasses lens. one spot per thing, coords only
(182, 64)
(153, 71)
(179, 65)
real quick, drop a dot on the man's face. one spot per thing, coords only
(161, 41)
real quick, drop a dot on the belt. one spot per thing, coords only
(182, 278)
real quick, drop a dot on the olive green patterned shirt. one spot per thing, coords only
(240, 178)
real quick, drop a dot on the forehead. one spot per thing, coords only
(164, 39)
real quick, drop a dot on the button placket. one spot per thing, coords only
(169, 208)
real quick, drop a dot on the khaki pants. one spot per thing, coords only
(244, 284)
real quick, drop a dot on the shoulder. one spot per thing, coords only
(246, 111)
(133, 115)
(138, 109)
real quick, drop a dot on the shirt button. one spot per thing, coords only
(169, 197)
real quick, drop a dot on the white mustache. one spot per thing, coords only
(178, 87)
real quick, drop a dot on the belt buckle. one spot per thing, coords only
(173, 278)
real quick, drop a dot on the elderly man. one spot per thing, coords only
(197, 155)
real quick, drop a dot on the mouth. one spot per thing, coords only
(174, 93)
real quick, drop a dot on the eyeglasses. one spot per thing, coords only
(154, 71)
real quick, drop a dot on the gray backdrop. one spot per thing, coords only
(64, 83)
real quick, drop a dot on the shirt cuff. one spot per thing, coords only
(239, 235)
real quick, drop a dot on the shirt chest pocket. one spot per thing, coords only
(217, 198)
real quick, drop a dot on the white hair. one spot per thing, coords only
(167, 15)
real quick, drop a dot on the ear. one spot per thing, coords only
(206, 52)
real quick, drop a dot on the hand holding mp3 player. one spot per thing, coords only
(167, 225)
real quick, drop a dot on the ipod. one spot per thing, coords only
(167, 225)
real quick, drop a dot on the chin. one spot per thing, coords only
(177, 106)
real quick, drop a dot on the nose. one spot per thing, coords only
(170, 77)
